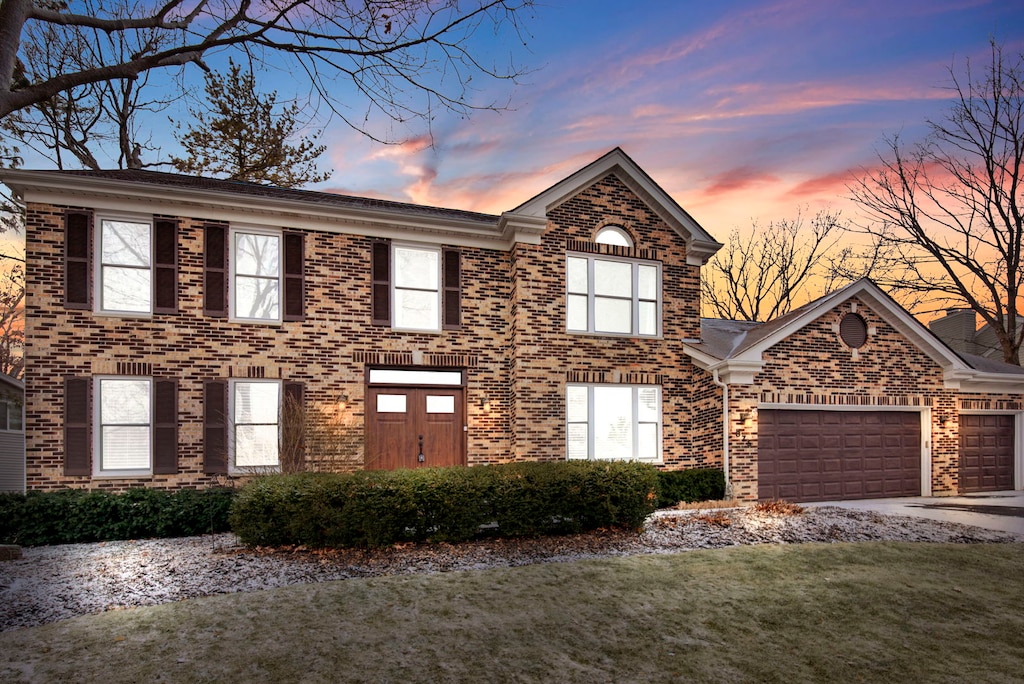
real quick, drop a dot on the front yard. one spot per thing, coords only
(809, 612)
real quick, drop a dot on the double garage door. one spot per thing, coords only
(833, 455)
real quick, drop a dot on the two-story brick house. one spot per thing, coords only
(170, 319)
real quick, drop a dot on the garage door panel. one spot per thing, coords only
(838, 454)
(986, 452)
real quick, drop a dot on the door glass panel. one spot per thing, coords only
(387, 376)
(440, 404)
(390, 403)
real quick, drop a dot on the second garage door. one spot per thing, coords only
(833, 455)
(986, 453)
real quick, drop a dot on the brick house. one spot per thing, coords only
(171, 320)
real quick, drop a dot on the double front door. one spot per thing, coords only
(413, 427)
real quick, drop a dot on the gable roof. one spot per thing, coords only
(735, 348)
(700, 245)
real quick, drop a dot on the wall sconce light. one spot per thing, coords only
(948, 423)
(342, 399)
(485, 403)
(747, 418)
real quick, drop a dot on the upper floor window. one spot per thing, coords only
(613, 296)
(125, 269)
(256, 275)
(416, 287)
(613, 235)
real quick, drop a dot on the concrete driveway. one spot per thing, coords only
(1003, 511)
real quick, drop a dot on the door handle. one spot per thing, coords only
(421, 458)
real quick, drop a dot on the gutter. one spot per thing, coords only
(725, 431)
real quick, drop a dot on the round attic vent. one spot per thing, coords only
(853, 330)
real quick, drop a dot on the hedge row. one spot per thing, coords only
(699, 484)
(71, 516)
(378, 508)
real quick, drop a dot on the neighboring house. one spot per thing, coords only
(957, 328)
(12, 434)
(170, 318)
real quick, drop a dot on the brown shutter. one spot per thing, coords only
(294, 279)
(215, 270)
(452, 292)
(165, 427)
(77, 426)
(292, 414)
(381, 283)
(166, 265)
(77, 259)
(215, 427)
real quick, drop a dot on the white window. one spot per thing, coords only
(613, 296)
(416, 289)
(124, 419)
(11, 415)
(613, 235)
(125, 266)
(256, 275)
(613, 422)
(255, 423)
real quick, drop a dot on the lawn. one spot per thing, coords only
(843, 612)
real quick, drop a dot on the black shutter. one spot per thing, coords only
(215, 427)
(77, 426)
(77, 259)
(165, 427)
(294, 279)
(215, 270)
(452, 289)
(381, 284)
(166, 266)
(292, 413)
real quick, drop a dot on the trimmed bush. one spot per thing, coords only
(72, 516)
(378, 508)
(699, 484)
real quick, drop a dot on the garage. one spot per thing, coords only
(986, 453)
(821, 455)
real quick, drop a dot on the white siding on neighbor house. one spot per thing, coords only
(12, 461)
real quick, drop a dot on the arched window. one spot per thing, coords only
(613, 235)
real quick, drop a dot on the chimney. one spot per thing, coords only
(956, 329)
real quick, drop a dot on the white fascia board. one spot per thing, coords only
(212, 205)
(739, 371)
(971, 380)
(521, 228)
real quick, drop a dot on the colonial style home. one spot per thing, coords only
(173, 322)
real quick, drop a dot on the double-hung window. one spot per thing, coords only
(125, 268)
(613, 422)
(256, 275)
(124, 421)
(255, 423)
(417, 288)
(605, 295)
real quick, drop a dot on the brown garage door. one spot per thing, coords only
(986, 453)
(834, 455)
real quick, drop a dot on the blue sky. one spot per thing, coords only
(741, 110)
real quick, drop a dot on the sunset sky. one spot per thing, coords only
(741, 110)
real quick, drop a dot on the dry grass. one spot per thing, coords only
(778, 507)
(880, 612)
(708, 505)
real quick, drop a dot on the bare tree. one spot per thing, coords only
(773, 270)
(949, 211)
(78, 126)
(406, 58)
(246, 136)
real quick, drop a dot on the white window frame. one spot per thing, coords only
(591, 433)
(233, 263)
(624, 240)
(99, 263)
(635, 298)
(244, 470)
(438, 290)
(97, 433)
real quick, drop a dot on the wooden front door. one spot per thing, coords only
(413, 427)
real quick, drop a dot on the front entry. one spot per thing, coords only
(413, 427)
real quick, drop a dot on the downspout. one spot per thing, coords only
(725, 431)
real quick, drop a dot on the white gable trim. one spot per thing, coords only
(700, 245)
